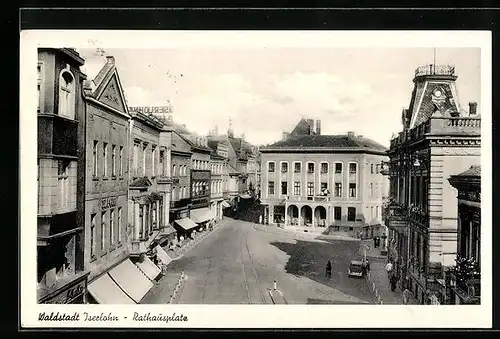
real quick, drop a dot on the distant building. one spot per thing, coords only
(438, 140)
(219, 170)
(61, 270)
(465, 283)
(316, 181)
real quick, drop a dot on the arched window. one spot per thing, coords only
(67, 94)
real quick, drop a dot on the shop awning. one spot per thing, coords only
(162, 255)
(225, 204)
(148, 268)
(245, 196)
(186, 223)
(131, 280)
(105, 291)
(201, 215)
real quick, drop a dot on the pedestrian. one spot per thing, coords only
(393, 280)
(388, 267)
(406, 296)
(328, 269)
(367, 263)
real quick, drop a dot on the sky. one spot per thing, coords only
(265, 90)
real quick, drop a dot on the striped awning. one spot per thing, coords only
(105, 291)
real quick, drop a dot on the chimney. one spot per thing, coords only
(318, 127)
(350, 134)
(110, 60)
(472, 108)
(310, 122)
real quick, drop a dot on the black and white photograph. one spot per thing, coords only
(322, 171)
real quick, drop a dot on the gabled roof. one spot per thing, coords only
(344, 142)
(302, 128)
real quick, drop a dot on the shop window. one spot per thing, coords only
(351, 214)
(67, 95)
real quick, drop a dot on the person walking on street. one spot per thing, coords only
(388, 268)
(393, 279)
(406, 296)
(328, 269)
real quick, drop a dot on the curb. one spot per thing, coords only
(177, 289)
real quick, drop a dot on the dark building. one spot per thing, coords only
(465, 277)
(61, 273)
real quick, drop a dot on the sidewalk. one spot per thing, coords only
(162, 290)
(372, 252)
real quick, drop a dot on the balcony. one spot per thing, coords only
(418, 215)
(435, 70)
(57, 135)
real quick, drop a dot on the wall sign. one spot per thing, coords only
(151, 109)
(68, 295)
(108, 202)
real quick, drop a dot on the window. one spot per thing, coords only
(162, 155)
(112, 227)
(351, 214)
(144, 160)
(284, 188)
(119, 226)
(270, 188)
(141, 221)
(371, 168)
(284, 167)
(120, 162)
(324, 188)
(338, 168)
(310, 188)
(95, 158)
(310, 167)
(66, 95)
(371, 189)
(352, 190)
(135, 158)
(62, 182)
(324, 167)
(297, 168)
(92, 235)
(377, 169)
(270, 167)
(352, 168)
(296, 188)
(173, 171)
(113, 160)
(105, 158)
(337, 213)
(338, 189)
(103, 231)
(39, 85)
(153, 162)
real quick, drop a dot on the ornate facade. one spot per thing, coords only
(439, 139)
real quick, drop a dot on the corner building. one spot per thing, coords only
(315, 181)
(439, 139)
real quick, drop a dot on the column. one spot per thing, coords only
(166, 209)
(137, 221)
(286, 214)
(299, 223)
(313, 216)
(271, 214)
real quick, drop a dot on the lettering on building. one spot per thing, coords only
(108, 202)
(151, 109)
(68, 295)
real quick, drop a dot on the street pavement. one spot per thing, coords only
(240, 262)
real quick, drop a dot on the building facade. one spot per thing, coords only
(438, 140)
(319, 181)
(61, 273)
(464, 283)
(219, 169)
(201, 181)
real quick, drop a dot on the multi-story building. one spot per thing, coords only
(219, 169)
(148, 207)
(438, 140)
(464, 285)
(61, 272)
(316, 181)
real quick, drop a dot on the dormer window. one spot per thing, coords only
(67, 94)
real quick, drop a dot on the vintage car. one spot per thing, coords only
(356, 268)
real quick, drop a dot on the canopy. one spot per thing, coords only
(131, 280)
(225, 204)
(201, 215)
(245, 196)
(162, 255)
(186, 223)
(149, 268)
(105, 291)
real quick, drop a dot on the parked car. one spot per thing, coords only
(357, 268)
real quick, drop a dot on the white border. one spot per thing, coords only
(254, 316)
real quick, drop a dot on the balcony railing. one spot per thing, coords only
(435, 70)
(395, 212)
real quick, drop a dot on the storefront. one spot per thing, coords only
(184, 228)
(72, 292)
(202, 216)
